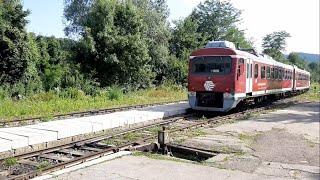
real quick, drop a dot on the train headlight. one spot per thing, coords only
(191, 93)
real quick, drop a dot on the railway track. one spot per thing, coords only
(33, 120)
(33, 164)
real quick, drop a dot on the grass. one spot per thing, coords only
(312, 95)
(9, 162)
(187, 134)
(47, 105)
(248, 138)
(43, 165)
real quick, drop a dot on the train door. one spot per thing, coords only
(293, 79)
(249, 76)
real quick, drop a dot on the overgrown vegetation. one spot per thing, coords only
(43, 165)
(47, 104)
(9, 162)
(312, 95)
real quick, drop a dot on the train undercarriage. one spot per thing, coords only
(223, 102)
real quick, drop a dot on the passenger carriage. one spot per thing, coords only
(221, 76)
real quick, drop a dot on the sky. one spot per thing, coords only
(259, 17)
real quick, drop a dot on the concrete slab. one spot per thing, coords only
(55, 130)
(5, 145)
(34, 136)
(65, 128)
(16, 140)
(97, 122)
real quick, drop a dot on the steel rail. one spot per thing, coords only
(100, 137)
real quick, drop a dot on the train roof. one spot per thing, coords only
(301, 70)
(262, 58)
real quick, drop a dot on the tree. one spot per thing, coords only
(274, 43)
(114, 33)
(185, 38)
(217, 20)
(154, 14)
(75, 14)
(296, 60)
(13, 38)
(314, 69)
(108, 28)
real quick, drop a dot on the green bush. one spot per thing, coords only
(10, 162)
(4, 92)
(44, 96)
(115, 93)
(72, 93)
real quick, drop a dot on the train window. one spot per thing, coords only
(272, 73)
(263, 72)
(268, 72)
(200, 68)
(276, 73)
(250, 70)
(212, 65)
(286, 75)
(256, 70)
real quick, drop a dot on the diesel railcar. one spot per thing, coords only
(221, 76)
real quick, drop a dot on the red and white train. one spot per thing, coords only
(221, 76)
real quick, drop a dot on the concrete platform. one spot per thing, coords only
(19, 137)
(5, 145)
(143, 168)
(34, 136)
(16, 140)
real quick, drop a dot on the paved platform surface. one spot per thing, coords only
(18, 137)
(143, 168)
(284, 143)
(279, 145)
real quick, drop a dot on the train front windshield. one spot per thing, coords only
(214, 65)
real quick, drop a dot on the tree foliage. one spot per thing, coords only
(314, 68)
(211, 20)
(217, 20)
(13, 40)
(296, 60)
(127, 40)
(274, 43)
(185, 38)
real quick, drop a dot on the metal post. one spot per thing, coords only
(163, 139)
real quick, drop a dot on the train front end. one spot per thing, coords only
(211, 78)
